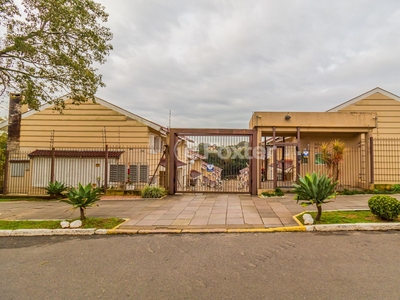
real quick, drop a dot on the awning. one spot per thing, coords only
(75, 153)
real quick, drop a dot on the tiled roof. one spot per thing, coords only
(179, 163)
(75, 153)
(194, 174)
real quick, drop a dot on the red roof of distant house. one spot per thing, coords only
(75, 153)
(194, 174)
(179, 163)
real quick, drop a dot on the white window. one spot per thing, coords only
(18, 169)
(156, 144)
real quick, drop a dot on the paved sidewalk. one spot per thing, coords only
(207, 211)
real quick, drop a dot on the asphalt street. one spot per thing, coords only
(353, 265)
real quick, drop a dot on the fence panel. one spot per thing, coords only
(129, 168)
(351, 169)
(386, 161)
(30, 172)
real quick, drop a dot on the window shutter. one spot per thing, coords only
(143, 173)
(133, 173)
(118, 173)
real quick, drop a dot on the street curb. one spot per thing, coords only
(307, 228)
(354, 227)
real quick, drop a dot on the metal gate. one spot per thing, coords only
(279, 170)
(212, 161)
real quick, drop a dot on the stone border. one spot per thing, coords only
(307, 228)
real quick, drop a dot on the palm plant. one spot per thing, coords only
(56, 189)
(332, 155)
(82, 198)
(315, 189)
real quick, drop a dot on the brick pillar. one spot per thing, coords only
(14, 122)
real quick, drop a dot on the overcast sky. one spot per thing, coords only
(212, 63)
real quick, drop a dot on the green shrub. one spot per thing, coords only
(396, 188)
(279, 192)
(153, 192)
(385, 207)
(82, 198)
(56, 189)
(267, 194)
(315, 189)
(352, 192)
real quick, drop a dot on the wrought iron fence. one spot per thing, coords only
(127, 168)
(352, 169)
(133, 168)
(386, 152)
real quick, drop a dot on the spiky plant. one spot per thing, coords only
(56, 189)
(332, 155)
(314, 189)
(82, 198)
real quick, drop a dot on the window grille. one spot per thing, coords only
(118, 173)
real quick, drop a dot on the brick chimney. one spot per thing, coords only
(14, 122)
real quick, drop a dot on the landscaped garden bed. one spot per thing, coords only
(98, 223)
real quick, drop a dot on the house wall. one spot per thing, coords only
(387, 110)
(89, 125)
(315, 129)
(313, 121)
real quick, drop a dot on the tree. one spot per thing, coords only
(314, 189)
(49, 49)
(332, 155)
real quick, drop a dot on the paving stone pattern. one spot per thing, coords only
(190, 211)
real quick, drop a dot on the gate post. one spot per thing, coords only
(5, 170)
(298, 156)
(53, 158)
(371, 157)
(275, 158)
(172, 162)
(254, 163)
(105, 169)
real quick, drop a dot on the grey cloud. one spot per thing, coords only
(214, 62)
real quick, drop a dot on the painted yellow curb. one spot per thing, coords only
(111, 231)
(297, 221)
(123, 231)
(273, 229)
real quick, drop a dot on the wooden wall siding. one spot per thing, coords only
(81, 127)
(388, 112)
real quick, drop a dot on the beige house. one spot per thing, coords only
(386, 134)
(386, 106)
(79, 137)
(88, 125)
(368, 124)
(291, 142)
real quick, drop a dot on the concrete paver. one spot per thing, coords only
(192, 212)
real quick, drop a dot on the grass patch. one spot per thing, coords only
(11, 225)
(343, 217)
(103, 223)
(99, 223)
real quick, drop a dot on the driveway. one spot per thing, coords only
(184, 211)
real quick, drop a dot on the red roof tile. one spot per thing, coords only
(75, 153)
